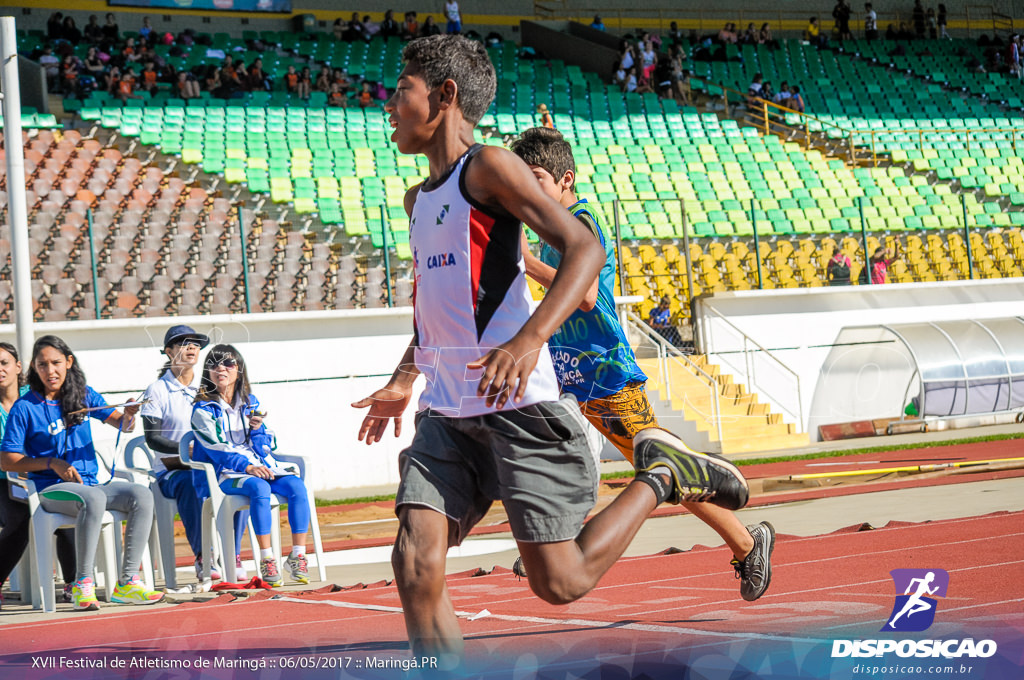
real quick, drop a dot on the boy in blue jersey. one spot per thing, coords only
(594, 362)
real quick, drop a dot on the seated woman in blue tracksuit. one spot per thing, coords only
(230, 434)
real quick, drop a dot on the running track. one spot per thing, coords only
(676, 615)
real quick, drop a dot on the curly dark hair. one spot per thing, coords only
(13, 351)
(465, 61)
(71, 394)
(208, 388)
(546, 148)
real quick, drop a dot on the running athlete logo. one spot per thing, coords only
(914, 610)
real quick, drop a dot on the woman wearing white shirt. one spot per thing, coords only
(230, 434)
(167, 417)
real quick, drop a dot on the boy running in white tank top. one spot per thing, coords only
(491, 425)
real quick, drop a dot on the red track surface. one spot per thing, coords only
(653, 612)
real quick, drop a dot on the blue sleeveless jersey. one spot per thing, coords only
(591, 354)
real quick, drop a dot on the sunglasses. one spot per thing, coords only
(190, 343)
(226, 363)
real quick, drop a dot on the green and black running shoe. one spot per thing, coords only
(696, 477)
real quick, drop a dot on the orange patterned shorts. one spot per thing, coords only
(621, 415)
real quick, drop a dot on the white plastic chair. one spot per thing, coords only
(129, 476)
(43, 548)
(219, 511)
(161, 541)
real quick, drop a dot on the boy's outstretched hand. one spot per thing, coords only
(385, 404)
(507, 368)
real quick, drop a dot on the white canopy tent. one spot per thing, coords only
(944, 369)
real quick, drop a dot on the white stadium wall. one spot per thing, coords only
(799, 327)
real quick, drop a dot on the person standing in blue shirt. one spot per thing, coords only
(14, 515)
(594, 361)
(48, 437)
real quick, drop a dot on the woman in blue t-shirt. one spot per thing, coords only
(14, 514)
(48, 437)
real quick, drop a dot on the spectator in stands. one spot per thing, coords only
(231, 81)
(649, 58)
(749, 35)
(389, 27)
(626, 57)
(1013, 55)
(631, 83)
(756, 85)
(675, 35)
(681, 90)
(796, 100)
(942, 21)
(323, 79)
(48, 437)
(880, 262)
(765, 37)
(92, 31)
(112, 79)
(370, 27)
(619, 75)
(339, 28)
(918, 16)
(69, 31)
(933, 24)
(544, 117)
(305, 86)
(660, 320)
(841, 13)
(166, 418)
(366, 95)
(92, 64)
(890, 32)
(663, 82)
(149, 78)
(52, 66)
(870, 22)
(783, 95)
(429, 28)
(338, 96)
(291, 80)
(188, 87)
(126, 86)
(837, 272)
(55, 26)
(146, 30)
(597, 24)
(813, 34)
(258, 78)
(111, 32)
(212, 82)
(69, 74)
(451, 13)
(14, 515)
(728, 34)
(129, 52)
(903, 33)
(355, 30)
(411, 27)
(230, 434)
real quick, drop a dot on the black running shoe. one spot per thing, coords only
(755, 571)
(518, 569)
(696, 477)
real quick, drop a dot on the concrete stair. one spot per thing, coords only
(686, 409)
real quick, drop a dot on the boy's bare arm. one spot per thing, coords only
(544, 274)
(389, 402)
(500, 179)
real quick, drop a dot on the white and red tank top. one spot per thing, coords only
(470, 296)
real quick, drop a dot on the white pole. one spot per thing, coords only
(16, 207)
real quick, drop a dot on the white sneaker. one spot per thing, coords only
(240, 573)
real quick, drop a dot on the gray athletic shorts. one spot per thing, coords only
(534, 459)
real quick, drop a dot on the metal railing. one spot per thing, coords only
(668, 355)
(759, 369)
(973, 18)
